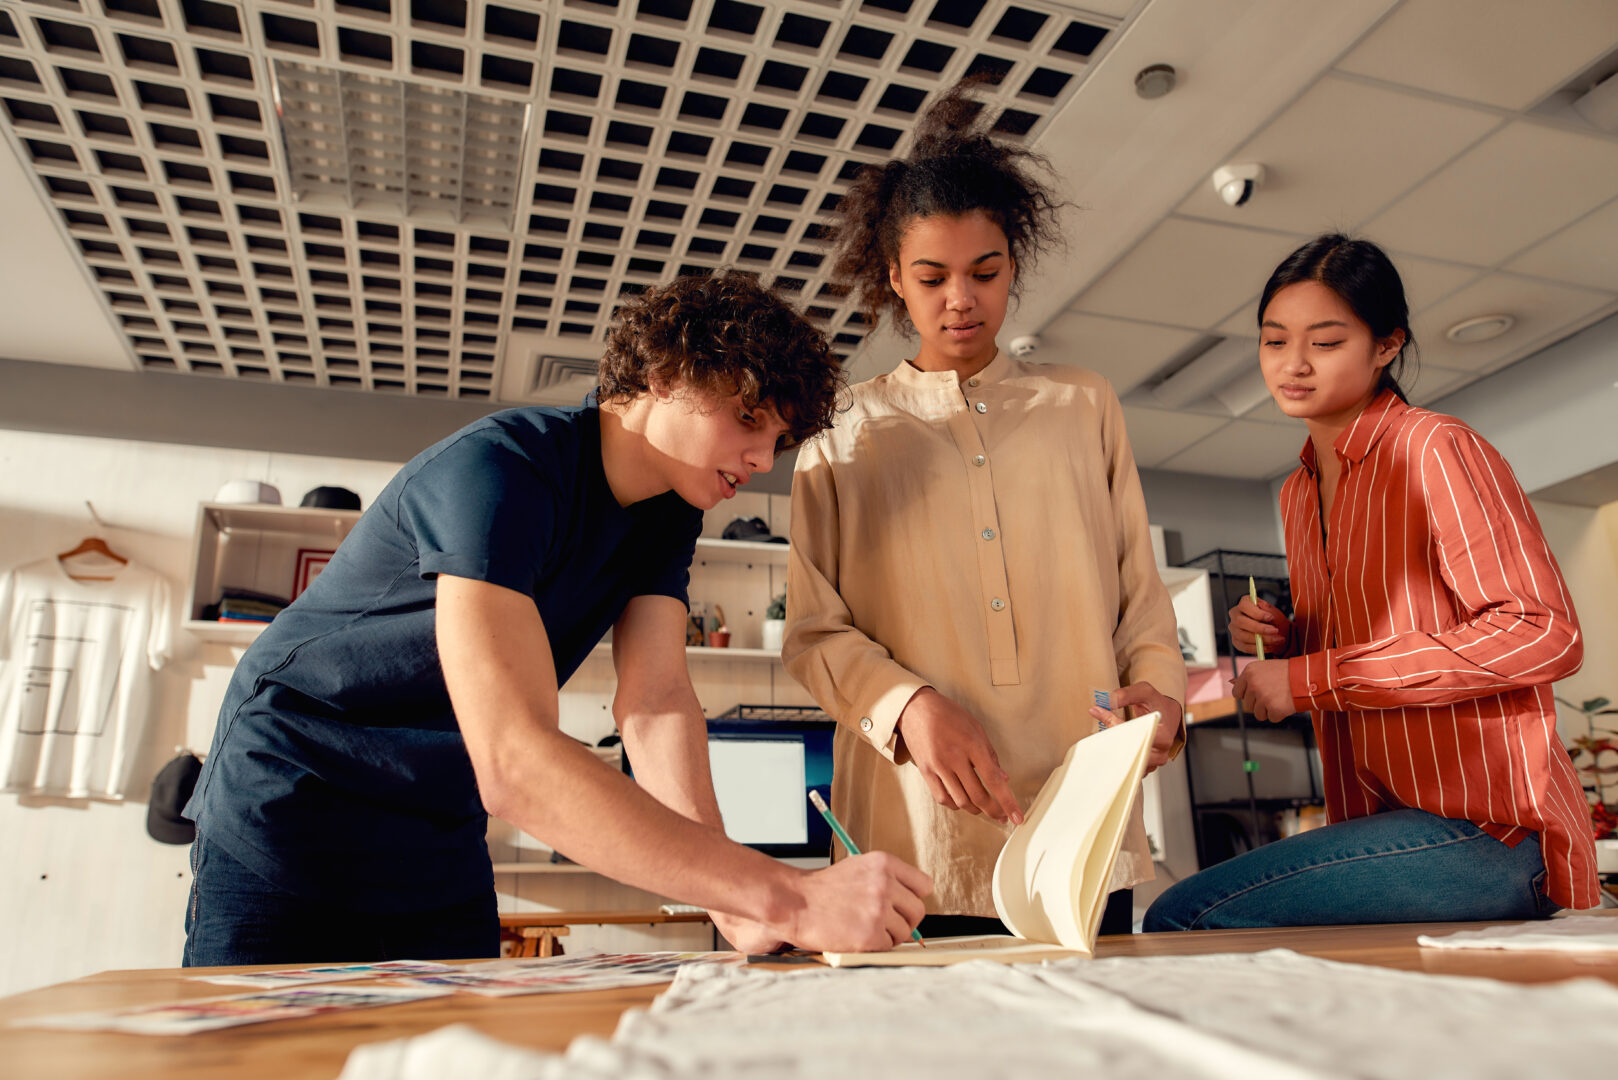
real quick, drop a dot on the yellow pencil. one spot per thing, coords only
(1252, 594)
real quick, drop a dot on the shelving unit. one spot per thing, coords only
(253, 546)
(703, 653)
(1193, 614)
(1254, 813)
(748, 552)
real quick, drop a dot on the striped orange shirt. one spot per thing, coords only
(1430, 620)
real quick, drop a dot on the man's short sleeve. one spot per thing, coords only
(670, 573)
(480, 509)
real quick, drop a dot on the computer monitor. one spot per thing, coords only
(763, 771)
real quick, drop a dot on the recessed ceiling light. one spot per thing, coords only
(1482, 328)
(1155, 80)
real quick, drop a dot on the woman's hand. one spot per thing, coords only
(1265, 690)
(1250, 620)
(955, 757)
(1138, 699)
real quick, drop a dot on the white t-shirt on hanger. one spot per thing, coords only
(76, 663)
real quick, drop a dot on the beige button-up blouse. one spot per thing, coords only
(988, 538)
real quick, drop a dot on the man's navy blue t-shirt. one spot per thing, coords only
(338, 771)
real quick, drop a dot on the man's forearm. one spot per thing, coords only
(669, 752)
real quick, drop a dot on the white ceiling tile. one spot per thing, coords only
(1433, 382)
(1497, 52)
(1544, 311)
(1187, 273)
(1243, 449)
(1158, 434)
(1426, 281)
(48, 309)
(1117, 9)
(1127, 353)
(1584, 253)
(1319, 177)
(1519, 185)
(1270, 413)
(1245, 321)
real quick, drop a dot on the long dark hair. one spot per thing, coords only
(1363, 275)
(953, 169)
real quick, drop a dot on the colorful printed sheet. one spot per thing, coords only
(327, 973)
(558, 974)
(211, 1014)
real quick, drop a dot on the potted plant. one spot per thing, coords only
(775, 622)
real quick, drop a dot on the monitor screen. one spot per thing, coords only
(763, 771)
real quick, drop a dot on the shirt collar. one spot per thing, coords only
(1383, 414)
(907, 374)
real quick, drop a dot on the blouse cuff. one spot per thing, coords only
(880, 706)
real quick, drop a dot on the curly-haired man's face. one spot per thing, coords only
(707, 446)
(954, 275)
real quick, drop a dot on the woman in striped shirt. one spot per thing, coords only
(1429, 622)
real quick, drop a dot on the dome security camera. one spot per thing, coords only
(1027, 345)
(1236, 183)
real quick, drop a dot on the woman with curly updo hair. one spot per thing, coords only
(971, 559)
(411, 691)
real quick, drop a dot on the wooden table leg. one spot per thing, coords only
(541, 941)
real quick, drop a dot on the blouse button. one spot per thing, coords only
(981, 407)
(973, 381)
(980, 460)
(998, 604)
(865, 723)
(988, 534)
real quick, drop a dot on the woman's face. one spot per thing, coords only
(954, 275)
(1320, 361)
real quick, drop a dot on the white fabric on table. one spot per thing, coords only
(1228, 1017)
(1572, 933)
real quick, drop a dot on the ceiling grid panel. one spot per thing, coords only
(383, 194)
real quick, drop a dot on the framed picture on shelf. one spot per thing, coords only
(311, 561)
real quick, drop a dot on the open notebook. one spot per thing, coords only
(1050, 881)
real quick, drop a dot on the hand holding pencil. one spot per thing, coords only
(1258, 627)
(848, 844)
(864, 903)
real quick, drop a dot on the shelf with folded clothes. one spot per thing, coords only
(251, 559)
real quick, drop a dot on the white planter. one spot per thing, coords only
(774, 631)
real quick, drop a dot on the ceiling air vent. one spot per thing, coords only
(400, 149)
(561, 380)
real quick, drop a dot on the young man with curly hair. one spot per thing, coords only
(412, 689)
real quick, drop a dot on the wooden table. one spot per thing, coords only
(318, 1046)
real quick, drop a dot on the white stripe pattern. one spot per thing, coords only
(1431, 613)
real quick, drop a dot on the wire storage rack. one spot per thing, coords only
(1227, 827)
(774, 712)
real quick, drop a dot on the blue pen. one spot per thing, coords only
(848, 845)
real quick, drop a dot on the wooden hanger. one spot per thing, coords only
(91, 545)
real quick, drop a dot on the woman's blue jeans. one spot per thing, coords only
(236, 917)
(1399, 866)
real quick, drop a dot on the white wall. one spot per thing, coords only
(1585, 542)
(1214, 512)
(91, 888)
(83, 888)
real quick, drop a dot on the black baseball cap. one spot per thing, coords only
(331, 498)
(751, 529)
(171, 790)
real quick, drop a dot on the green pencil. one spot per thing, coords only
(1252, 594)
(848, 845)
